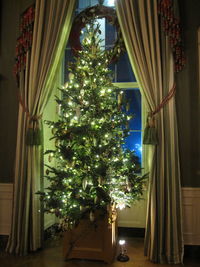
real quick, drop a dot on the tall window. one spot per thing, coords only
(123, 77)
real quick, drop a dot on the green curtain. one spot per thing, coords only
(152, 61)
(52, 26)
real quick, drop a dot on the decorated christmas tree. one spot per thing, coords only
(93, 171)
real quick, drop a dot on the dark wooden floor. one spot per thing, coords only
(51, 256)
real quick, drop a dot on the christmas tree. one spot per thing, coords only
(93, 171)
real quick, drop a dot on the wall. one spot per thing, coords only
(9, 29)
(50, 114)
(187, 97)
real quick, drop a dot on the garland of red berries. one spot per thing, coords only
(171, 27)
(24, 41)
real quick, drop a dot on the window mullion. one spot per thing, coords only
(127, 85)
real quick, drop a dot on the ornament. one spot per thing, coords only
(57, 142)
(78, 111)
(66, 85)
(50, 157)
(96, 199)
(71, 76)
(92, 10)
(94, 141)
(82, 92)
(128, 106)
(84, 183)
(100, 180)
(94, 49)
(53, 131)
(92, 217)
(119, 99)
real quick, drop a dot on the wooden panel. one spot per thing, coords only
(135, 216)
(6, 195)
(191, 215)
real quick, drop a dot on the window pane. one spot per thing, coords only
(110, 34)
(93, 2)
(133, 142)
(124, 70)
(82, 4)
(109, 3)
(133, 97)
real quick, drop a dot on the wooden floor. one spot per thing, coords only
(51, 256)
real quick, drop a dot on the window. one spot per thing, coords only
(123, 77)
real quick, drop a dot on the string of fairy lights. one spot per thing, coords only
(92, 170)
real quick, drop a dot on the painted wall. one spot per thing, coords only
(10, 11)
(187, 91)
(50, 113)
(187, 97)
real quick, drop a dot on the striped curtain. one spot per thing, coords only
(52, 26)
(152, 59)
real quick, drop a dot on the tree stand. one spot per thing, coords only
(92, 240)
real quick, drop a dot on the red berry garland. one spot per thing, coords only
(24, 41)
(171, 27)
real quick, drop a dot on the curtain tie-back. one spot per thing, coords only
(150, 133)
(34, 135)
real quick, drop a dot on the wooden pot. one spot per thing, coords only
(92, 240)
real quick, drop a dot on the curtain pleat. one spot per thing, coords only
(52, 26)
(152, 62)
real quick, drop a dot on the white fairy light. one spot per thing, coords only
(121, 206)
(121, 242)
(88, 41)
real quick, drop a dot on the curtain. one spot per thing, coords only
(152, 61)
(52, 25)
